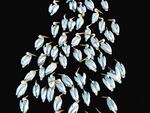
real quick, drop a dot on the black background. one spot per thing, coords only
(27, 19)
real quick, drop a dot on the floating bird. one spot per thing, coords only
(51, 68)
(71, 24)
(63, 60)
(30, 75)
(50, 93)
(51, 81)
(25, 60)
(54, 52)
(74, 107)
(55, 29)
(81, 8)
(109, 82)
(73, 5)
(41, 59)
(94, 41)
(77, 54)
(66, 49)
(74, 93)
(62, 39)
(101, 25)
(60, 86)
(106, 47)
(114, 26)
(109, 36)
(121, 68)
(95, 87)
(53, 8)
(79, 21)
(91, 64)
(66, 80)
(95, 15)
(64, 23)
(21, 89)
(57, 103)
(43, 94)
(76, 40)
(86, 97)
(41, 72)
(36, 90)
(105, 5)
(87, 32)
(39, 42)
(24, 104)
(89, 4)
(47, 48)
(102, 60)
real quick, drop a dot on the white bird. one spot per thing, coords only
(51, 68)
(73, 5)
(81, 8)
(106, 47)
(41, 59)
(50, 94)
(53, 8)
(54, 52)
(64, 23)
(41, 72)
(78, 81)
(121, 68)
(102, 60)
(114, 26)
(111, 105)
(60, 86)
(76, 40)
(95, 15)
(62, 39)
(55, 29)
(91, 65)
(51, 81)
(83, 78)
(105, 5)
(47, 48)
(109, 36)
(21, 89)
(77, 55)
(74, 93)
(57, 103)
(71, 24)
(109, 82)
(95, 87)
(39, 42)
(67, 1)
(43, 94)
(79, 21)
(26, 59)
(63, 60)
(36, 90)
(89, 51)
(74, 107)
(86, 97)
(24, 104)
(66, 49)
(30, 75)
(94, 42)
(87, 33)
(101, 25)
(66, 80)
(89, 4)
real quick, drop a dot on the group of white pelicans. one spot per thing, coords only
(60, 52)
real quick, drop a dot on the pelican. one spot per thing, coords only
(24, 104)
(51, 68)
(41, 59)
(66, 49)
(86, 97)
(57, 103)
(54, 29)
(94, 42)
(47, 48)
(54, 52)
(74, 107)
(62, 39)
(81, 8)
(74, 93)
(95, 87)
(101, 25)
(95, 15)
(71, 24)
(109, 36)
(106, 47)
(114, 26)
(66, 80)
(76, 40)
(63, 60)
(30, 75)
(60, 86)
(53, 8)
(50, 93)
(105, 5)
(79, 21)
(36, 90)
(102, 60)
(77, 54)
(41, 72)
(64, 23)
(87, 32)
(73, 5)
(43, 94)
(21, 89)
(89, 4)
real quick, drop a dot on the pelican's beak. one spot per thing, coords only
(98, 10)
(66, 32)
(26, 97)
(78, 70)
(56, 23)
(81, 33)
(112, 20)
(103, 97)
(60, 74)
(50, 42)
(89, 25)
(72, 18)
(55, 1)
(77, 101)
(83, 45)
(61, 95)
(102, 41)
(33, 54)
(60, 111)
(86, 58)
